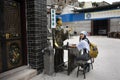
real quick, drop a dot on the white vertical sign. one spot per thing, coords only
(53, 18)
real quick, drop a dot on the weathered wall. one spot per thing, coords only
(79, 26)
(115, 25)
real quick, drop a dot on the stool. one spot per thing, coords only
(91, 62)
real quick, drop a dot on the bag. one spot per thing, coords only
(93, 50)
(85, 56)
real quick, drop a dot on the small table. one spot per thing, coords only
(72, 52)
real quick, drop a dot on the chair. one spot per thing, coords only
(84, 66)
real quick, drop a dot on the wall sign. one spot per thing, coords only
(103, 14)
(53, 18)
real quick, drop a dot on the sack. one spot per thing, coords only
(93, 50)
(84, 57)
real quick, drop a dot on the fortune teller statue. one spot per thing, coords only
(59, 38)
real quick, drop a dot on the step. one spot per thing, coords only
(21, 73)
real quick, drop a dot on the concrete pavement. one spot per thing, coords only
(106, 65)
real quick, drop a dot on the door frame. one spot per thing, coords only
(23, 29)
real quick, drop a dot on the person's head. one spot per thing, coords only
(59, 21)
(83, 34)
(58, 18)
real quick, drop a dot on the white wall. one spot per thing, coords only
(115, 25)
(68, 9)
(50, 2)
(79, 26)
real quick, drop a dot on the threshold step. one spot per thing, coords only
(21, 73)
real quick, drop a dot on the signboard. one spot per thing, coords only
(53, 18)
(103, 14)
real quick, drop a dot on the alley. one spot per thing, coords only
(106, 65)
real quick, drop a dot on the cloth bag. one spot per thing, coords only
(83, 55)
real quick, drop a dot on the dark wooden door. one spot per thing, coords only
(11, 53)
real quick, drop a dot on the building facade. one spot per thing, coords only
(96, 21)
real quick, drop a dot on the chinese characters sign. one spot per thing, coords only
(103, 14)
(53, 18)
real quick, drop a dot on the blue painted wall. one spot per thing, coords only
(72, 17)
(80, 17)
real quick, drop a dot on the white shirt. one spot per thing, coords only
(83, 45)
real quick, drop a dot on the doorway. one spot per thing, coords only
(12, 54)
(100, 27)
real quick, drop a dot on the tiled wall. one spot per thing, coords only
(36, 32)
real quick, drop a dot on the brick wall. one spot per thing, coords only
(36, 32)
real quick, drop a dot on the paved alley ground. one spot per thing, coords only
(106, 65)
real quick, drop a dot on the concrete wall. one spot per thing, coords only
(50, 2)
(86, 25)
(115, 25)
(79, 26)
(67, 1)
